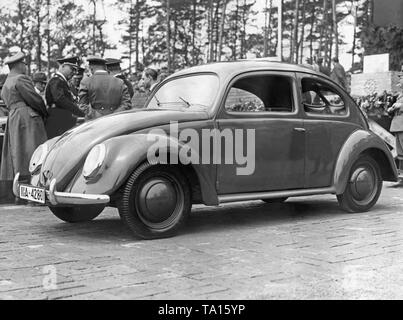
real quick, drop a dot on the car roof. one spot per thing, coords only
(230, 68)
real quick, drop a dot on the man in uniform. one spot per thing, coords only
(39, 79)
(75, 82)
(25, 129)
(63, 109)
(102, 93)
(338, 74)
(113, 66)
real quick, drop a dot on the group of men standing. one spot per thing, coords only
(337, 74)
(39, 111)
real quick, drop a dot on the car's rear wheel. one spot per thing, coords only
(77, 214)
(275, 200)
(156, 201)
(364, 186)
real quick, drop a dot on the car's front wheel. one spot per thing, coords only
(77, 214)
(155, 202)
(364, 186)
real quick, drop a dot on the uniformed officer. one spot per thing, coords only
(39, 79)
(102, 93)
(25, 129)
(75, 82)
(113, 66)
(63, 109)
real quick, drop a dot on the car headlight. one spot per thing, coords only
(94, 161)
(38, 158)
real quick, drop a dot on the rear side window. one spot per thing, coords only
(320, 98)
(269, 93)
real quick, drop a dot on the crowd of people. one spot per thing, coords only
(39, 109)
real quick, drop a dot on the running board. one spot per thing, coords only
(273, 194)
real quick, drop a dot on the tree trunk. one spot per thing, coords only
(235, 31)
(244, 22)
(131, 12)
(311, 32)
(210, 30)
(280, 31)
(216, 28)
(269, 24)
(169, 35)
(372, 5)
(220, 36)
(294, 43)
(354, 13)
(94, 22)
(194, 32)
(173, 40)
(137, 35)
(48, 37)
(335, 28)
(301, 43)
(323, 28)
(22, 24)
(38, 36)
(265, 31)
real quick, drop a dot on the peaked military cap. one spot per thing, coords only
(39, 77)
(80, 73)
(112, 62)
(96, 60)
(19, 56)
(72, 61)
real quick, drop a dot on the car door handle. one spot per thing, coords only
(300, 129)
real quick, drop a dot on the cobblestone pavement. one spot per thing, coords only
(306, 248)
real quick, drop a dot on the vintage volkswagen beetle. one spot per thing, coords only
(309, 138)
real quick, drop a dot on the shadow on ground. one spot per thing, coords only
(215, 219)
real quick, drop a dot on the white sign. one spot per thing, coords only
(376, 63)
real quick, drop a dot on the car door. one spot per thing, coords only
(261, 114)
(327, 124)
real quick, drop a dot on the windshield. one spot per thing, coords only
(192, 92)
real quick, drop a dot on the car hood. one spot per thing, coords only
(67, 155)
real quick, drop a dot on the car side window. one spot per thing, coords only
(267, 93)
(239, 100)
(320, 98)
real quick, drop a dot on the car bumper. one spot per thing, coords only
(56, 198)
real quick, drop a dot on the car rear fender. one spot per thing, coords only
(363, 142)
(125, 153)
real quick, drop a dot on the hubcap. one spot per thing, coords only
(157, 200)
(363, 184)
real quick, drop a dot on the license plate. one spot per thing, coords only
(32, 193)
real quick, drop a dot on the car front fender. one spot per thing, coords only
(358, 143)
(125, 153)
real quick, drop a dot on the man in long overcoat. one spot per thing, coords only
(25, 129)
(102, 93)
(63, 109)
(338, 74)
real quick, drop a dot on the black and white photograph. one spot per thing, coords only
(201, 154)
